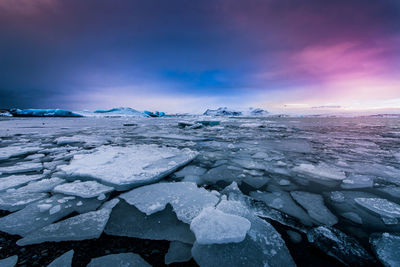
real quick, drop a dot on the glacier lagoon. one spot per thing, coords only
(198, 190)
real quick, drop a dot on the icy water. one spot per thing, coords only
(322, 191)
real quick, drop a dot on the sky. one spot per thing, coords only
(286, 56)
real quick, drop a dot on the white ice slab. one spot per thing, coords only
(186, 199)
(380, 206)
(213, 226)
(320, 171)
(22, 167)
(127, 167)
(9, 262)
(17, 180)
(87, 189)
(44, 185)
(16, 151)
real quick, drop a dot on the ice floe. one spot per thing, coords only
(178, 252)
(127, 167)
(119, 260)
(16, 151)
(320, 171)
(87, 189)
(17, 200)
(17, 180)
(22, 167)
(65, 260)
(9, 262)
(84, 226)
(386, 247)
(44, 185)
(341, 246)
(314, 204)
(380, 206)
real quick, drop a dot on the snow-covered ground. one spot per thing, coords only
(208, 191)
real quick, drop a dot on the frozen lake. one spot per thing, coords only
(244, 191)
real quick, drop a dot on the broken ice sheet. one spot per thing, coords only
(186, 199)
(16, 151)
(314, 204)
(380, 206)
(386, 247)
(87, 189)
(84, 226)
(65, 260)
(178, 252)
(44, 212)
(128, 167)
(320, 171)
(17, 180)
(263, 246)
(44, 185)
(161, 225)
(119, 260)
(16, 200)
(22, 167)
(9, 262)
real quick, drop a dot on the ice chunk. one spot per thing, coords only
(341, 246)
(32, 217)
(43, 113)
(357, 181)
(337, 196)
(263, 246)
(17, 180)
(45, 185)
(282, 201)
(314, 204)
(320, 171)
(9, 262)
(186, 199)
(256, 182)
(223, 173)
(84, 226)
(16, 151)
(386, 247)
(391, 190)
(65, 260)
(380, 206)
(213, 226)
(127, 167)
(86, 189)
(22, 167)
(178, 252)
(119, 260)
(222, 111)
(294, 236)
(162, 225)
(190, 170)
(13, 201)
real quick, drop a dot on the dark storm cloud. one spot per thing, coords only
(50, 49)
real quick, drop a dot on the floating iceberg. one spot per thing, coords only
(119, 260)
(222, 112)
(43, 113)
(128, 167)
(121, 111)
